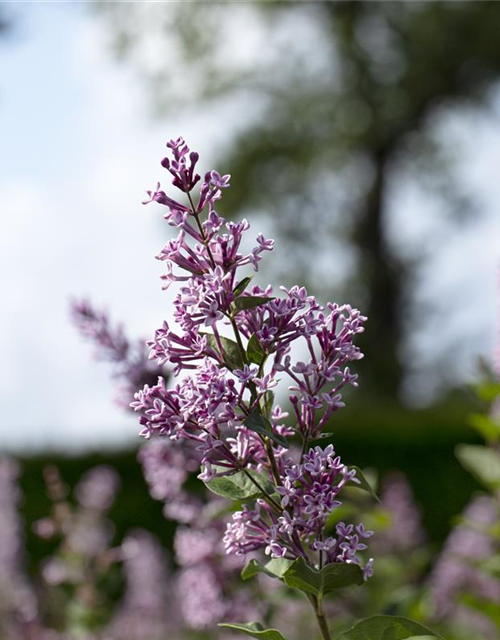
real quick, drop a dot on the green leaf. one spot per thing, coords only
(255, 630)
(488, 390)
(255, 353)
(249, 302)
(239, 486)
(232, 354)
(275, 568)
(488, 428)
(387, 628)
(483, 463)
(255, 421)
(242, 285)
(333, 576)
(269, 401)
(363, 484)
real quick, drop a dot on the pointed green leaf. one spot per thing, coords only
(255, 421)
(481, 462)
(255, 630)
(255, 353)
(488, 428)
(249, 302)
(387, 628)
(239, 486)
(363, 484)
(333, 576)
(274, 568)
(242, 285)
(232, 354)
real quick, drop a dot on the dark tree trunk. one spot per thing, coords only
(383, 278)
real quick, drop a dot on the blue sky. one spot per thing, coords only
(76, 160)
(78, 152)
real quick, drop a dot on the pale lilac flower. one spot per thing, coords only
(457, 572)
(309, 494)
(97, 488)
(201, 599)
(147, 610)
(405, 532)
(18, 605)
(132, 367)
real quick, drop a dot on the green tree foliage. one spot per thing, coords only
(339, 103)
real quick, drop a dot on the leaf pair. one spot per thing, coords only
(239, 486)
(374, 628)
(299, 575)
(231, 352)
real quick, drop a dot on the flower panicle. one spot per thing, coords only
(232, 341)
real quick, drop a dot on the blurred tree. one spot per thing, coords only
(336, 104)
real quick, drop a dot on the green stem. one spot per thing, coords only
(201, 230)
(305, 444)
(272, 502)
(320, 617)
(238, 340)
(272, 461)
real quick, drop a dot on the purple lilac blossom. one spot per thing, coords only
(309, 495)
(166, 467)
(405, 532)
(198, 546)
(201, 603)
(456, 572)
(18, 606)
(227, 384)
(84, 531)
(97, 488)
(131, 363)
(147, 610)
(209, 589)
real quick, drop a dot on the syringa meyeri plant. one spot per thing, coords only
(229, 346)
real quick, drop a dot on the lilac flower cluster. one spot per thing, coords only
(458, 572)
(309, 495)
(132, 366)
(405, 532)
(224, 401)
(147, 609)
(207, 579)
(40, 610)
(18, 606)
(84, 532)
